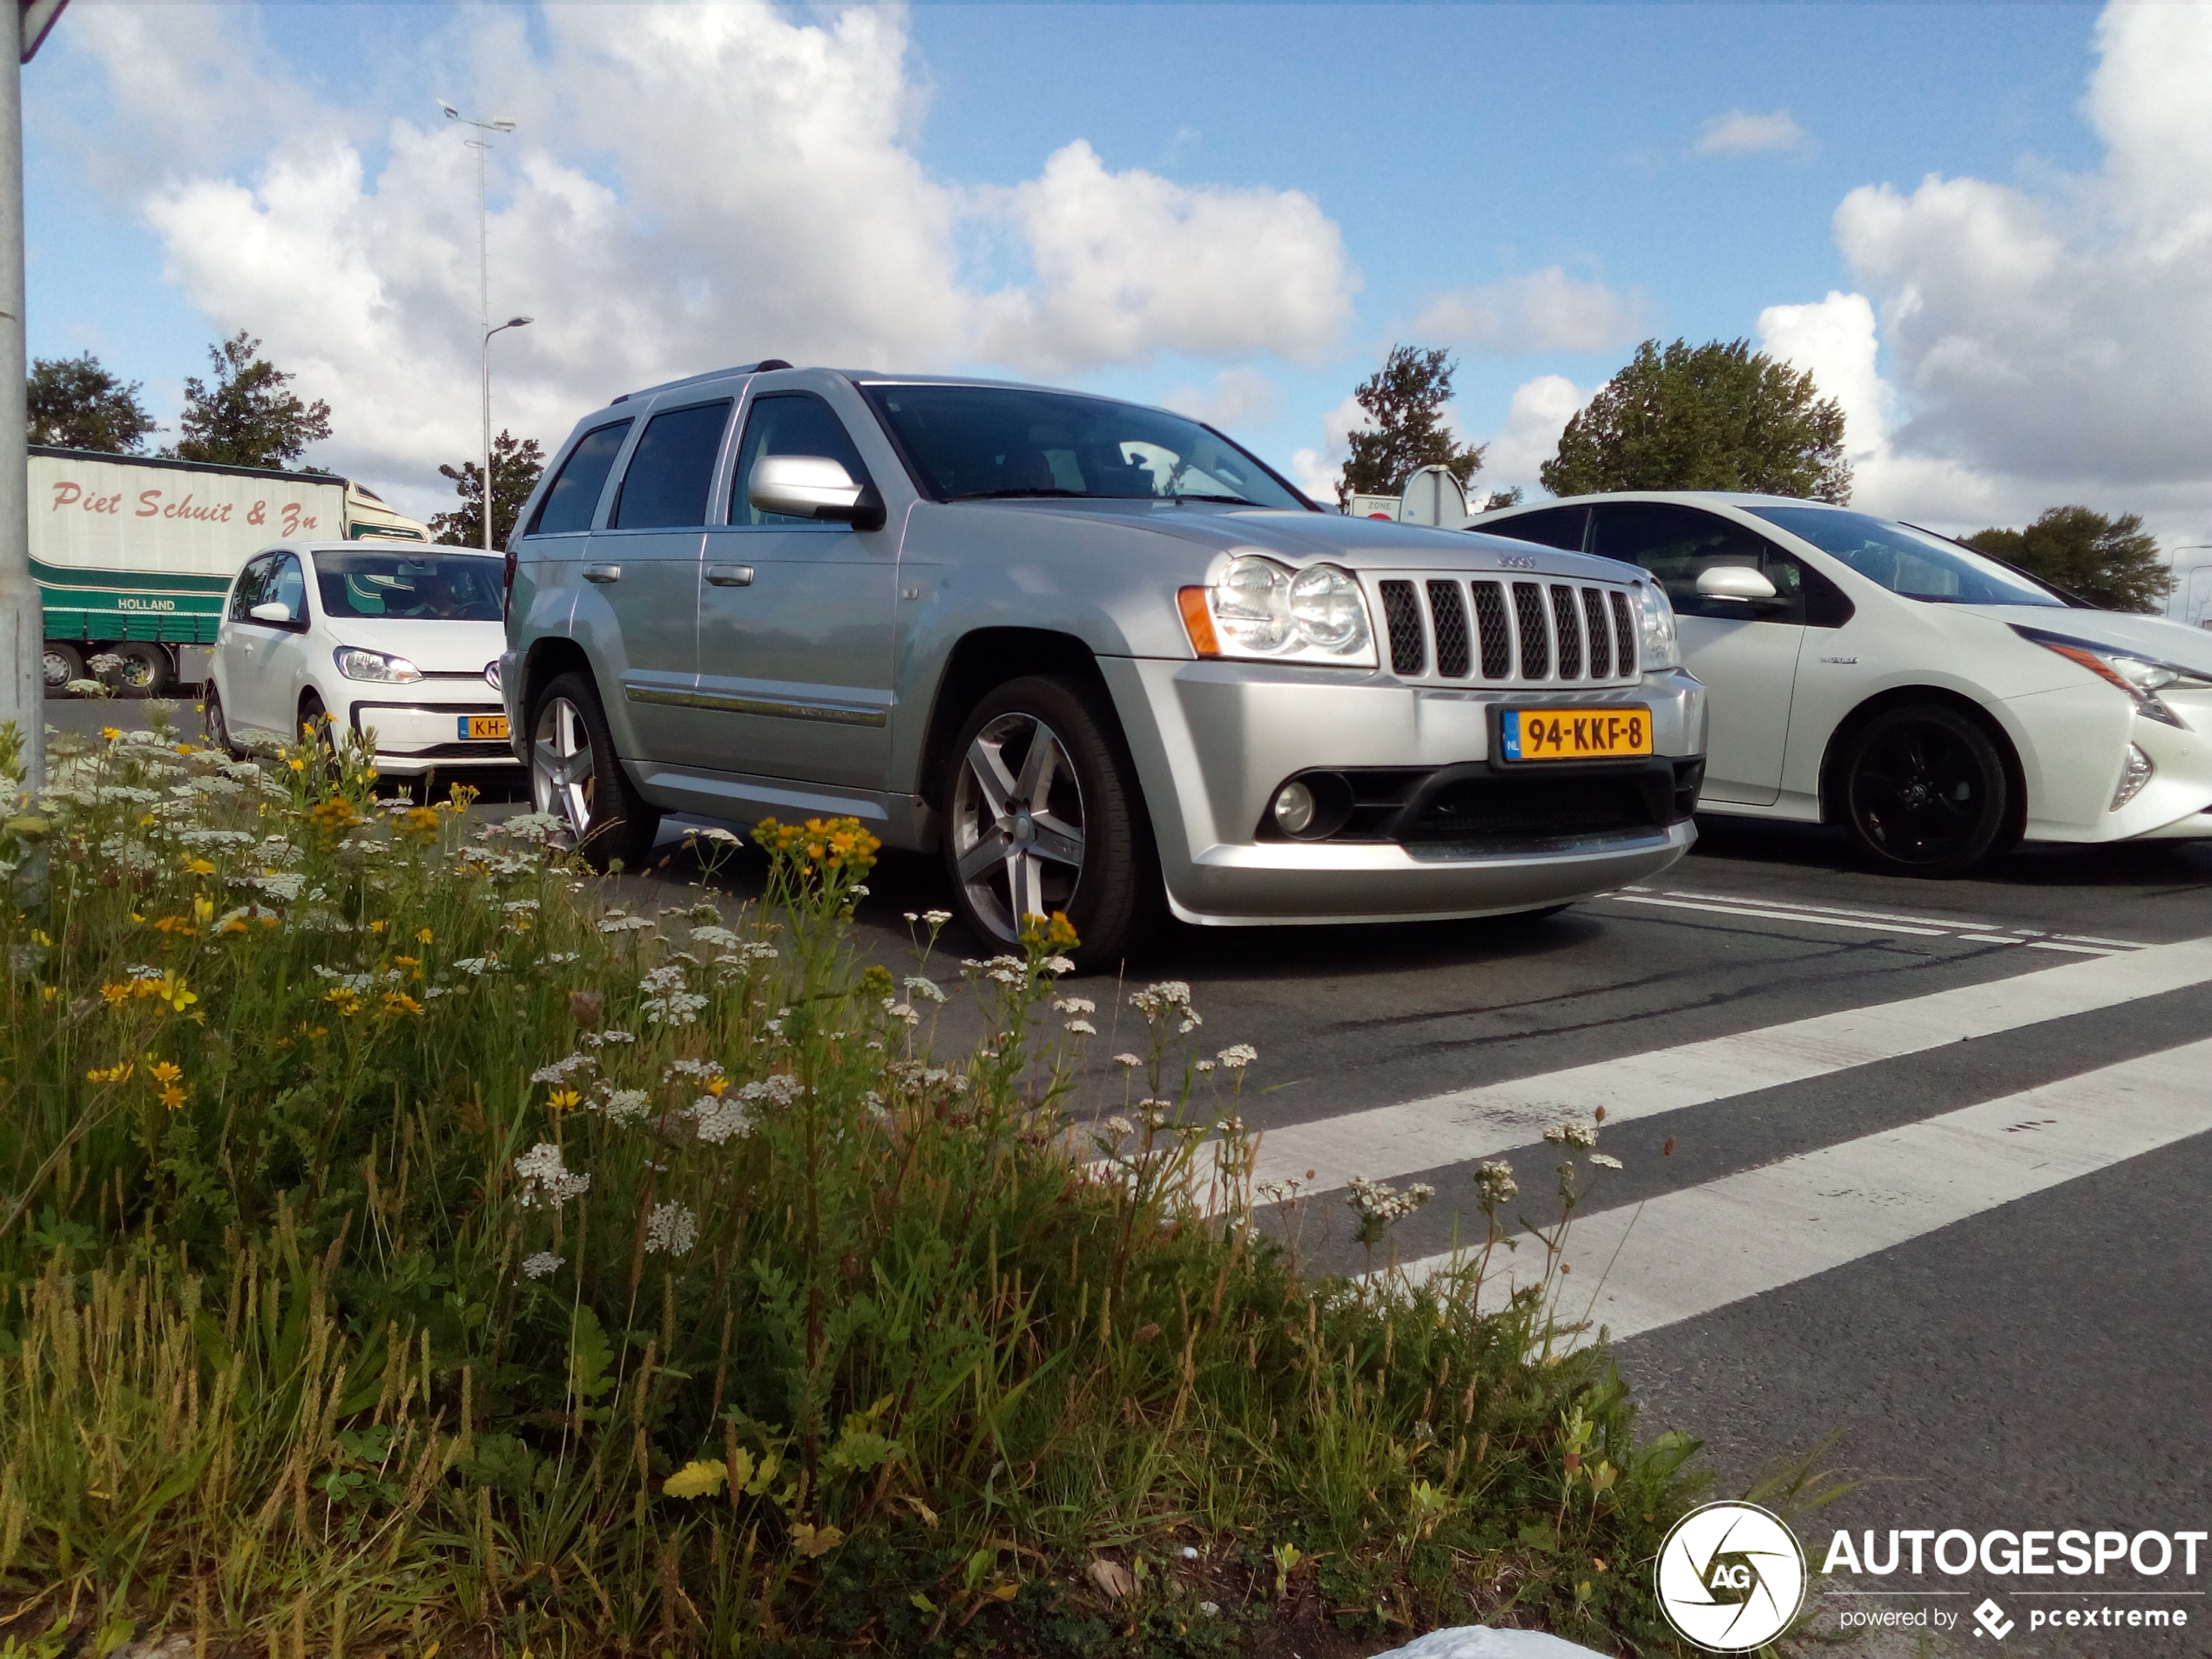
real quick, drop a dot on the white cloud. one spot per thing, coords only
(1539, 412)
(1545, 310)
(2058, 348)
(688, 187)
(1239, 397)
(1315, 471)
(1740, 133)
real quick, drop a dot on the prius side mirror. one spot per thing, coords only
(1739, 583)
(814, 487)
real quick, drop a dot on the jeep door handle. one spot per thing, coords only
(729, 576)
(602, 573)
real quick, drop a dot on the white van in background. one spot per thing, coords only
(2191, 601)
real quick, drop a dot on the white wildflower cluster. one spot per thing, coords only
(520, 909)
(893, 1009)
(781, 1089)
(1379, 1202)
(1571, 1135)
(702, 1071)
(559, 1071)
(1001, 970)
(618, 922)
(1079, 1008)
(559, 958)
(477, 966)
(284, 885)
(1237, 1055)
(1154, 1113)
(625, 1105)
(529, 829)
(930, 919)
(210, 841)
(715, 938)
(1056, 965)
(545, 1264)
(1129, 1061)
(671, 1230)
(720, 1117)
(1494, 1183)
(1117, 1126)
(601, 1039)
(666, 999)
(1168, 1000)
(1605, 1160)
(914, 1076)
(547, 1182)
(923, 990)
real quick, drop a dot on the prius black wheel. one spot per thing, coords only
(1926, 792)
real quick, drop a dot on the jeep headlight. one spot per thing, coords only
(358, 664)
(1259, 608)
(1660, 648)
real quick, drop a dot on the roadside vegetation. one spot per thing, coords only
(404, 1243)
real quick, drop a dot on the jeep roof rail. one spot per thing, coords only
(765, 364)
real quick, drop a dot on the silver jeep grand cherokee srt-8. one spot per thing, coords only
(1103, 659)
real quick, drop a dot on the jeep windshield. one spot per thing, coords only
(1003, 442)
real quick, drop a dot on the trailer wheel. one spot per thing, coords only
(64, 663)
(146, 670)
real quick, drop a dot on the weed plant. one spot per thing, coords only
(404, 1243)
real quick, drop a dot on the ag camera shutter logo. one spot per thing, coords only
(1731, 1577)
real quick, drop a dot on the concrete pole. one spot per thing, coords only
(23, 624)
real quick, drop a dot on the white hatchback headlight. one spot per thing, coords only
(358, 664)
(1259, 609)
(1660, 649)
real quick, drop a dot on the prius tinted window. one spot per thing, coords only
(575, 495)
(672, 470)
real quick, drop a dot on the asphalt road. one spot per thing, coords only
(2000, 1324)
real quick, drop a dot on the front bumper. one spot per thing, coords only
(2074, 746)
(415, 738)
(1214, 741)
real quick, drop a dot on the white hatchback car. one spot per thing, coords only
(400, 643)
(1939, 703)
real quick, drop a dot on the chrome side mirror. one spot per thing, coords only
(1737, 582)
(814, 487)
(274, 611)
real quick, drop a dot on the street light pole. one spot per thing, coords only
(512, 322)
(482, 147)
(23, 616)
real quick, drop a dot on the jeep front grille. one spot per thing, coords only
(1490, 631)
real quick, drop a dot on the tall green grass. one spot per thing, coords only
(401, 1243)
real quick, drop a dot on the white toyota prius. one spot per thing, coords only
(400, 643)
(1939, 703)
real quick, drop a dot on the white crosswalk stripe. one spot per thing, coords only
(1637, 1268)
(1386, 1142)
(1743, 907)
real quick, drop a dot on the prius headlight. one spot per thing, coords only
(358, 664)
(2141, 678)
(1259, 607)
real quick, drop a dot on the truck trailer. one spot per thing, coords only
(133, 554)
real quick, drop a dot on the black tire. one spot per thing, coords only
(1926, 792)
(214, 724)
(146, 669)
(1065, 826)
(576, 775)
(64, 663)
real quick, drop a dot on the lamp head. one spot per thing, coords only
(452, 114)
(520, 322)
(504, 123)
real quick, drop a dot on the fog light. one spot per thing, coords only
(1294, 808)
(2133, 777)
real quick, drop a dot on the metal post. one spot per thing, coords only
(23, 635)
(483, 321)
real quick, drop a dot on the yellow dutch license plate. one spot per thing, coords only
(1575, 734)
(483, 725)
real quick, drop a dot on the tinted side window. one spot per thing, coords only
(1678, 544)
(788, 423)
(671, 469)
(1559, 527)
(247, 592)
(575, 495)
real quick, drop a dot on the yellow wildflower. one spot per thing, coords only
(562, 1099)
(296, 763)
(166, 1071)
(423, 935)
(203, 911)
(118, 1073)
(397, 1003)
(172, 1096)
(171, 989)
(111, 732)
(200, 866)
(117, 995)
(346, 1002)
(378, 927)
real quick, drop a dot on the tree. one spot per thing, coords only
(2109, 562)
(77, 404)
(515, 466)
(1706, 417)
(246, 418)
(1405, 400)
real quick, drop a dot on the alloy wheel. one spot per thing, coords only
(1919, 794)
(1017, 824)
(562, 766)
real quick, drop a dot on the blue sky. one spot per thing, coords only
(1377, 158)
